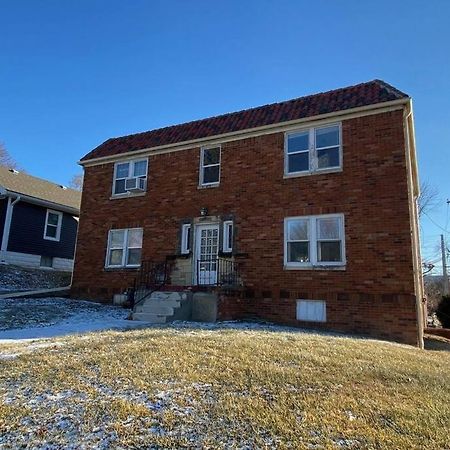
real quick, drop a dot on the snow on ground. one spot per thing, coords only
(35, 318)
(15, 278)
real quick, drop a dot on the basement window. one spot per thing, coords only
(46, 261)
(124, 248)
(312, 310)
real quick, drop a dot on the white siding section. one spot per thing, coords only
(34, 261)
(312, 310)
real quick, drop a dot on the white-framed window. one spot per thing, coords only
(312, 310)
(314, 241)
(127, 176)
(227, 237)
(210, 166)
(53, 224)
(185, 238)
(313, 150)
(124, 247)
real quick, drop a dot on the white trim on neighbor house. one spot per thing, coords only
(312, 240)
(218, 139)
(7, 225)
(34, 261)
(204, 166)
(132, 162)
(312, 151)
(58, 226)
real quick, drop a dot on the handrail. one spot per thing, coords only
(152, 277)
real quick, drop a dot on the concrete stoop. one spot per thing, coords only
(165, 306)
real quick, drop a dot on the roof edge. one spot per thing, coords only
(343, 112)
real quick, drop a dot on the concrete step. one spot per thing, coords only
(160, 302)
(147, 317)
(156, 308)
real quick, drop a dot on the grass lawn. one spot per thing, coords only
(187, 387)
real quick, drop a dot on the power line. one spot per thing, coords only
(443, 229)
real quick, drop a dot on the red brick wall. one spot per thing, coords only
(371, 192)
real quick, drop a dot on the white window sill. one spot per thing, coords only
(122, 267)
(51, 239)
(316, 267)
(316, 172)
(127, 195)
(207, 186)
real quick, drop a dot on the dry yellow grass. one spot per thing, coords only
(224, 388)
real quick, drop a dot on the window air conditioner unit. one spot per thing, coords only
(135, 184)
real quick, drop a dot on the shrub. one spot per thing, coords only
(443, 312)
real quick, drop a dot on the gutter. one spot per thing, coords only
(41, 202)
(413, 193)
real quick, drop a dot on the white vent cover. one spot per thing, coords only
(312, 310)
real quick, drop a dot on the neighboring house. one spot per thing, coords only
(38, 221)
(308, 205)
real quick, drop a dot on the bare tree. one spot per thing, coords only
(6, 160)
(77, 182)
(428, 198)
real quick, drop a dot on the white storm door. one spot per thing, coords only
(206, 250)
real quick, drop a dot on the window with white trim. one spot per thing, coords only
(133, 171)
(313, 150)
(227, 237)
(124, 247)
(53, 224)
(210, 166)
(314, 241)
(185, 238)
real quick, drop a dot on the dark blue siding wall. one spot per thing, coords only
(27, 232)
(3, 204)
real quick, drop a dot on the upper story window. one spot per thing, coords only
(210, 166)
(53, 224)
(130, 177)
(124, 248)
(313, 150)
(314, 241)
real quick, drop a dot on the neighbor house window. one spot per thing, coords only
(46, 261)
(185, 238)
(313, 150)
(124, 248)
(53, 223)
(314, 241)
(130, 177)
(209, 166)
(227, 238)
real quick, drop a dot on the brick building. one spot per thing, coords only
(308, 205)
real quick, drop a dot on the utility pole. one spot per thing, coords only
(444, 266)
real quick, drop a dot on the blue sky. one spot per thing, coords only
(73, 73)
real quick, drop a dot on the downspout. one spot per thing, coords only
(7, 227)
(413, 193)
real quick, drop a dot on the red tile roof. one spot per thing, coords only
(364, 94)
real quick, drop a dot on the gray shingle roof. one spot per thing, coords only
(38, 188)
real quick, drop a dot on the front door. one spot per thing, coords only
(206, 250)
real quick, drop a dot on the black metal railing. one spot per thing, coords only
(218, 272)
(152, 276)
